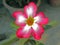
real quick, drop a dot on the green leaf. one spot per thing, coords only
(33, 42)
(30, 42)
(14, 25)
(47, 27)
(51, 24)
(41, 44)
(22, 41)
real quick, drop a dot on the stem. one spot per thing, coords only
(27, 1)
(37, 42)
(12, 39)
(19, 1)
(9, 41)
(39, 2)
(22, 41)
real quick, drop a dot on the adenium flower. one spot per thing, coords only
(30, 23)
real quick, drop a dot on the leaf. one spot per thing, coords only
(51, 24)
(22, 41)
(47, 27)
(30, 42)
(41, 44)
(14, 25)
(33, 42)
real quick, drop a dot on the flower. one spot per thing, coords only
(30, 22)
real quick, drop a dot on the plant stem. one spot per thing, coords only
(12, 39)
(22, 41)
(9, 41)
(39, 2)
(27, 1)
(37, 42)
(19, 2)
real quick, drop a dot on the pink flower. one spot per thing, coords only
(30, 22)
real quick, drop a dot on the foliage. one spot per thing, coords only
(19, 3)
(41, 44)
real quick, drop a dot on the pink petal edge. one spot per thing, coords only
(34, 8)
(21, 34)
(44, 20)
(17, 13)
(20, 24)
(38, 34)
(41, 14)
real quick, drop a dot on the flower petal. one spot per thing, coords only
(41, 19)
(27, 28)
(37, 19)
(20, 18)
(23, 32)
(35, 26)
(16, 14)
(30, 9)
(37, 31)
(44, 21)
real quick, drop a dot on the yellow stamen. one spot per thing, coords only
(30, 21)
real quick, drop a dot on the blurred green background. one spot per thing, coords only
(52, 35)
